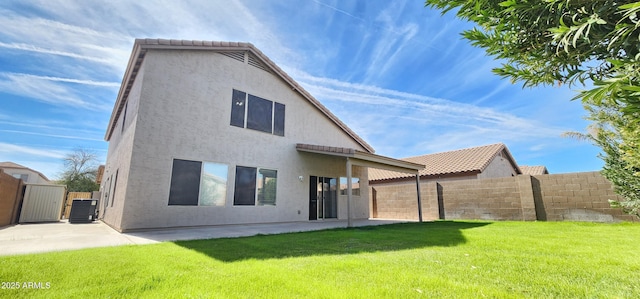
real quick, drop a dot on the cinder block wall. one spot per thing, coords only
(488, 199)
(556, 197)
(394, 202)
(400, 201)
(580, 196)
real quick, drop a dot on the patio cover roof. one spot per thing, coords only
(362, 158)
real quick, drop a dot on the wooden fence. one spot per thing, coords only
(10, 195)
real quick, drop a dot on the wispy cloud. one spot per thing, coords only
(7, 148)
(89, 125)
(339, 10)
(68, 57)
(493, 93)
(68, 80)
(32, 48)
(383, 115)
(393, 40)
(45, 90)
(28, 33)
(51, 135)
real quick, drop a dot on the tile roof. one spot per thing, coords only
(463, 161)
(371, 160)
(534, 170)
(327, 149)
(10, 165)
(141, 46)
(18, 166)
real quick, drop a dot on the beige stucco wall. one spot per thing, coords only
(111, 203)
(499, 167)
(184, 113)
(32, 176)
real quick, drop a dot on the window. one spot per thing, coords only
(124, 117)
(213, 184)
(278, 119)
(23, 177)
(255, 186)
(115, 184)
(238, 102)
(267, 182)
(245, 191)
(259, 114)
(355, 186)
(196, 183)
(108, 191)
(185, 182)
(252, 112)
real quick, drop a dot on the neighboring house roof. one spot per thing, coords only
(257, 58)
(459, 162)
(534, 170)
(11, 165)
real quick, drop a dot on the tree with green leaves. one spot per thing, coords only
(594, 44)
(80, 171)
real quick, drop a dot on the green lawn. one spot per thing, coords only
(430, 260)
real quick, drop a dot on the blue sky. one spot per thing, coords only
(397, 73)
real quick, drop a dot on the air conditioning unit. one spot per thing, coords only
(83, 211)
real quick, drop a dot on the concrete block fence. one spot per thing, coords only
(580, 196)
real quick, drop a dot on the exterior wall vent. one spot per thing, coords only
(254, 61)
(239, 56)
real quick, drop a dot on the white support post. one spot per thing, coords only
(349, 224)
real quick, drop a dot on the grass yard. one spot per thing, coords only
(414, 260)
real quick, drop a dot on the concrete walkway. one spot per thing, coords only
(58, 236)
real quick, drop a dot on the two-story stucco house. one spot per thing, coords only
(212, 133)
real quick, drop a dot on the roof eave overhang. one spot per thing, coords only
(430, 176)
(135, 60)
(365, 159)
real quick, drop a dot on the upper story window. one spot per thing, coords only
(252, 112)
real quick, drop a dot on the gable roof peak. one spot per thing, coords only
(141, 45)
(471, 160)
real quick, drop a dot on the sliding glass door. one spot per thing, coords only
(323, 198)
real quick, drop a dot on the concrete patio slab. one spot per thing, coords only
(59, 236)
